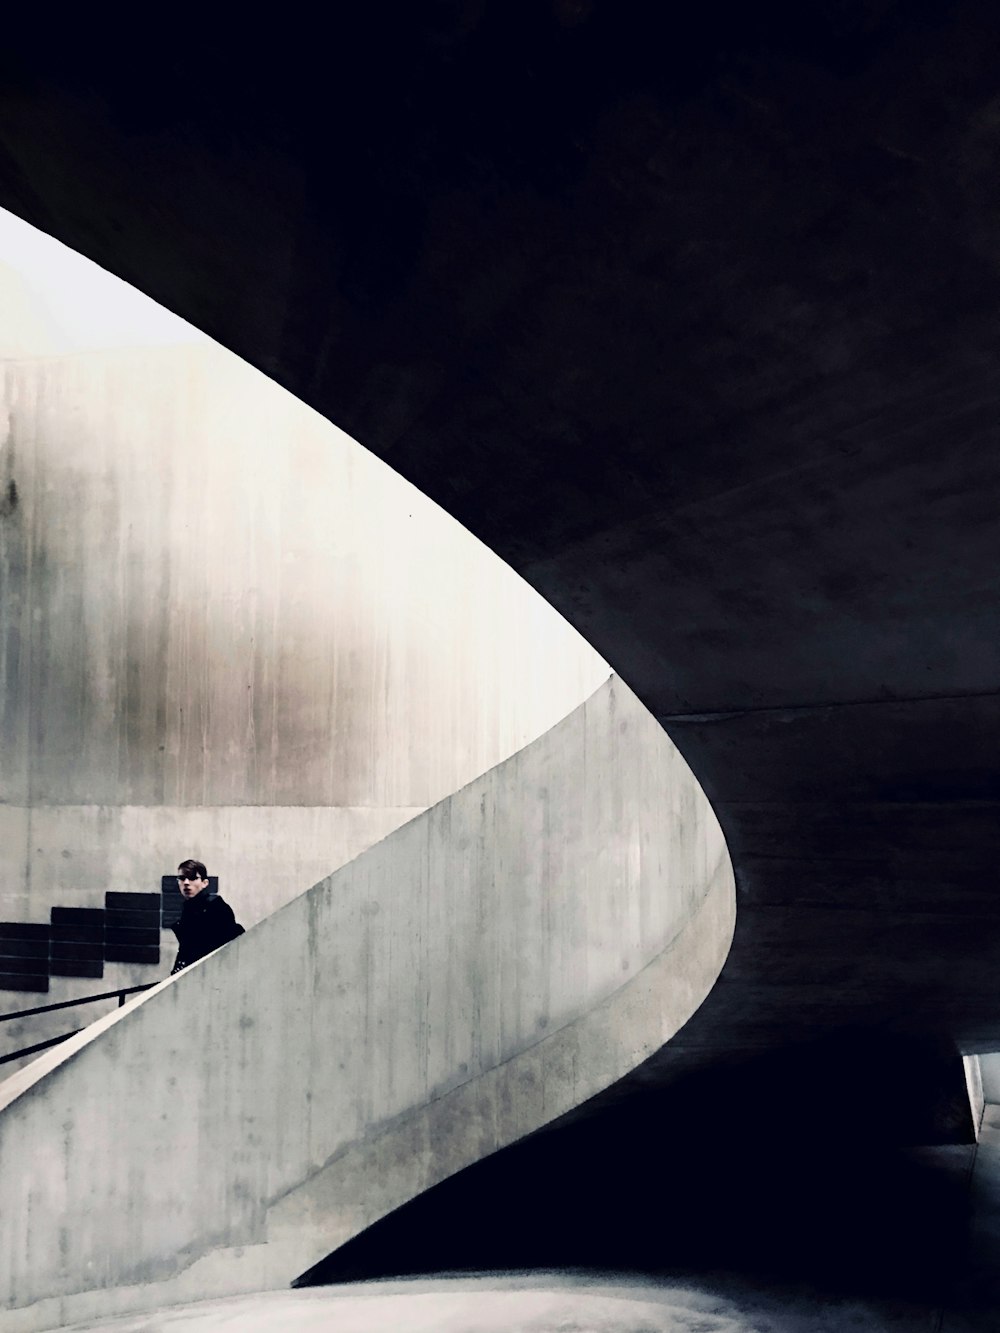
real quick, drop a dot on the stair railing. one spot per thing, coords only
(64, 1004)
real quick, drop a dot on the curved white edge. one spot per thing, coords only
(487, 967)
(379, 1174)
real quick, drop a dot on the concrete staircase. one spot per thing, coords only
(485, 968)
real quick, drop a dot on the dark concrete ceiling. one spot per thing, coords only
(694, 317)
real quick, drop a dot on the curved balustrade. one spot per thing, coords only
(488, 966)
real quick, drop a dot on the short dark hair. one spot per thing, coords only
(190, 867)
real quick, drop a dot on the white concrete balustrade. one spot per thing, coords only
(489, 965)
(228, 631)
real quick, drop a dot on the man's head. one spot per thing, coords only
(192, 878)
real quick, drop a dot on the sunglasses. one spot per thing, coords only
(188, 879)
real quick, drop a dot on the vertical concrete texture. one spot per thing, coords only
(976, 1302)
(488, 966)
(989, 1073)
(215, 597)
(228, 631)
(269, 853)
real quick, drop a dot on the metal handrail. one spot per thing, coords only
(40, 1046)
(65, 1004)
(84, 999)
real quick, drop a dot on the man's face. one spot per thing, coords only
(190, 886)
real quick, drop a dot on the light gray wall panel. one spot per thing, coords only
(211, 600)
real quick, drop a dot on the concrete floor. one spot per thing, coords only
(554, 1301)
(539, 1303)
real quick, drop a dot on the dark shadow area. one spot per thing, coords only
(777, 1170)
(690, 315)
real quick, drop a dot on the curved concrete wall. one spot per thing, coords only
(494, 962)
(217, 598)
(227, 630)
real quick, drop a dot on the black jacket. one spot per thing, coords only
(206, 923)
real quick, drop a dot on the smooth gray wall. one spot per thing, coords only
(228, 631)
(489, 965)
(212, 596)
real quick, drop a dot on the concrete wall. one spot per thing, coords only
(267, 851)
(228, 631)
(989, 1075)
(494, 962)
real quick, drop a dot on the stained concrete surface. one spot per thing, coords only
(537, 1303)
(493, 963)
(213, 601)
(199, 656)
(691, 316)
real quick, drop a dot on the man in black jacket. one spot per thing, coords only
(206, 921)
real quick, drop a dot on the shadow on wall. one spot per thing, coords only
(790, 1168)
